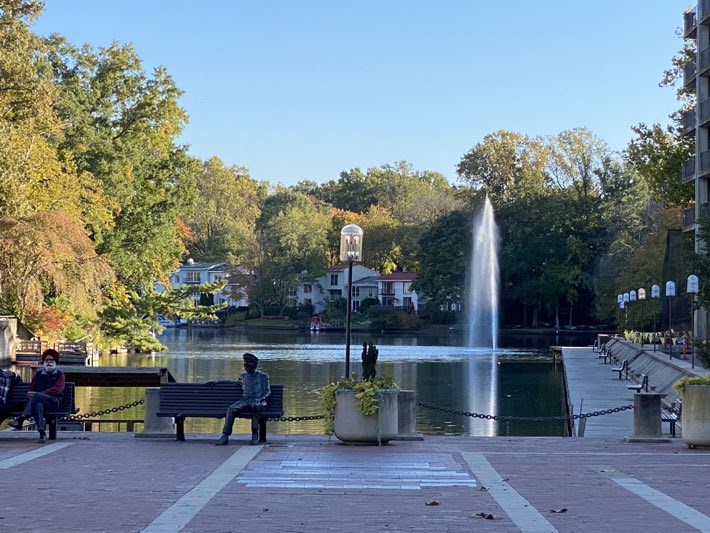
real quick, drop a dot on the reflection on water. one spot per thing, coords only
(438, 368)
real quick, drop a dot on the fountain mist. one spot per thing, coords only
(482, 289)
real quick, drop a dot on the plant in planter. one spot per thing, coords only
(362, 409)
(695, 415)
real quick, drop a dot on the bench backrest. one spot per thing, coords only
(200, 399)
(18, 398)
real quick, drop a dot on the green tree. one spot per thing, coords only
(506, 165)
(228, 204)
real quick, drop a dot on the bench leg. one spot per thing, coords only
(52, 424)
(179, 428)
(673, 428)
(262, 431)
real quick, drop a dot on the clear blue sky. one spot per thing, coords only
(305, 89)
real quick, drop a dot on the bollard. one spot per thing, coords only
(407, 412)
(155, 426)
(647, 418)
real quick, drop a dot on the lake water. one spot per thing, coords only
(517, 379)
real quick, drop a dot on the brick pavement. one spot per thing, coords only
(115, 482)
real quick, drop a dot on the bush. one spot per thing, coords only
(444, 317)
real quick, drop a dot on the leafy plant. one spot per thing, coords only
(680, 384)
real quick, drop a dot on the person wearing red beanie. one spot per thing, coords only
(46, 392)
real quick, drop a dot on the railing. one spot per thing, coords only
(689, 74)
(689, 169)
(688, 218)
(703, 60)
(690, 25)
(703, 10)
(687, 120)
(704, 167)
(704, 112)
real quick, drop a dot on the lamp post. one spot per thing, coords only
(655, 295)
(670, 293)
(632, 298)
(641, 297)
(350, 251)
(627, 299)
(692, 290)
(619, 301)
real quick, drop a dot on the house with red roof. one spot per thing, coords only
(395, 290)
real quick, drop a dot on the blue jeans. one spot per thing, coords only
(36, 405)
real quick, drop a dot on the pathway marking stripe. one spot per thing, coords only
(520, 511)
(179, 514)
(34, 454)
(657, 498)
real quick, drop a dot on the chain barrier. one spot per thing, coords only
(104, 411)
(526, 418)
(296, 418)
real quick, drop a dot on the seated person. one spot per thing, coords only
(256, 388)
(46, 392)
(7, 380)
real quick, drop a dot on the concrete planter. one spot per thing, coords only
(350, 425)
(695, 415)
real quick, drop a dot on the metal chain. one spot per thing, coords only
(296, 418)
(523, 418)
(104, 411)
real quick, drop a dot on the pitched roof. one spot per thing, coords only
(399, 276)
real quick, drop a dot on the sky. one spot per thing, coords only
(304, 90)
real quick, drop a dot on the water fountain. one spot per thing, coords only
(482, 286)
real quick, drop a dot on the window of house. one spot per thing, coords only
(407, 286)
(307, 288)
(333, 279)
(388, 288)
(192, 277)
(307, 301)
(335, 293)
(356, 305)
(356, 291)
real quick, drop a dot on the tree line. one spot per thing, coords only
(98, 200)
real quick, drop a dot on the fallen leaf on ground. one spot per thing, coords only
(563, 510)
(483, 488)
(265, 509)
(485, 516)
(432, 502)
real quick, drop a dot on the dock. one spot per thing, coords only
(117, 376)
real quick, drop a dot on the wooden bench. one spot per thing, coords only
(604, 354)
(18, 398)
(642, 384)
(672, 414)
(623, 367)
(202, 400)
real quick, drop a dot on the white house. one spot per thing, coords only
(192, 273)
(394, 290)
(333, 285)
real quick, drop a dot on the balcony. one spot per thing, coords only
(687, 121)
(703, 11)
(690, 25)
(689, 218)
(704, 113)
(689, 74)
(689, 170)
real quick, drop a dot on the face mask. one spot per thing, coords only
(50, 365)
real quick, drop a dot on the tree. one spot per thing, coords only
(505, 166)
(657, 155)
(442, 257)
(47, 255)
(121, 126)
(131, 317)
(228, 199)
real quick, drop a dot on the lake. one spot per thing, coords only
(517, 379)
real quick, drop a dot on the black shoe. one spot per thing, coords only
(223, 441)
(16, 424)
(42, 438)
(254, 439)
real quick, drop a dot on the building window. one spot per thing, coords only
(356, 292)
(335, 294)
(307, 301)
(388, 288)
(333, 279)
(192, 277)
(356, 305)
(307, 288)
(407, 289)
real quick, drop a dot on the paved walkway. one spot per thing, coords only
(115, 482)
